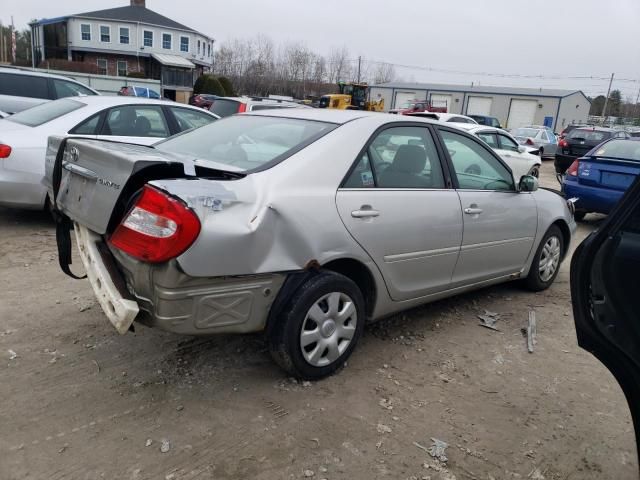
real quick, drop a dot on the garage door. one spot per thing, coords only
(479, 106)
(440, 100)
(522, 113)
(404, 97)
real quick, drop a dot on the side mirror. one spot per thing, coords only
(521, 149)
(528, 183)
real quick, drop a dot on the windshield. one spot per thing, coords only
(247, 142)
(45, 112)
(623, 149)
(588, 135)
(525, 132)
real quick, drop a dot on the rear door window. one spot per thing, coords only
(136, 121)
(24, 85)
(224, 108)
(63, 88)
(489, 138)
(401, 157)
(588, 135)
(87, 127)
(507, 144)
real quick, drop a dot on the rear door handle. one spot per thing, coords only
(365, 212)
(472, 211)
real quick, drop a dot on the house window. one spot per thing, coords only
(102, 66)
(198, 47)
(122, 68)
(105, 33)
(148, 38)
(124, 35)
(166, 41)
(184, 44)
(85, 32)
(209, 49)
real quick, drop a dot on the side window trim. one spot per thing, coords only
(446, 173)
(87, 120)
(447, 158)
(172, 122)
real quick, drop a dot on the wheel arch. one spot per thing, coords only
(566, 234)
(360, 274)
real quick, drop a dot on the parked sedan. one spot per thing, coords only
(349, 218)
(542, 138)
(486, 120)
(519, 160)
(23, 136)
(599, 179)
(581, 140)
(443, 117)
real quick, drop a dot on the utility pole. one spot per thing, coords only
(1, 43)
(359, 62)
(635, 107)
(606, 100)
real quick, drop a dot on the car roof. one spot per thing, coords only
(329, 115)
(33, 73)
(108, 100)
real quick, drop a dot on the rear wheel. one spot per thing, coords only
(546, 262)
(319, 327)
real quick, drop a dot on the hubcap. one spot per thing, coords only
(328, 329)
(549, 259)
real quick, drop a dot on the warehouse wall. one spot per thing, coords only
(573, 109)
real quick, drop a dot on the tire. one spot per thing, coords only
(535, 171)
(326, 345)
(537, 280)
(579, 215)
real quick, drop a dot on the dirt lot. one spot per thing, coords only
(79, 401)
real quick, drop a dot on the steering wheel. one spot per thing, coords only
(473, 169)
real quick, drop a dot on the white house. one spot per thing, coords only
(122, 40)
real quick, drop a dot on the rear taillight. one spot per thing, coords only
(529, 141)
(242, 108)
(563, 143)
(158, 227)
(5, 150)
(573, 168)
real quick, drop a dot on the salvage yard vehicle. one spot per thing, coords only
(581, 140)
(599, 179)
(302, 223)
(443, 117)
(519, 160)
(542, 138)
(604, 294)
(351, 96)
(23, 136)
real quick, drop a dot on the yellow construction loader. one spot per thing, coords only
(352, 96)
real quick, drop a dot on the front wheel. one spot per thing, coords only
(535, 171)
(318, 329)
(546, 262)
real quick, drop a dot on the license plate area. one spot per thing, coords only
(616, 180)
(77, 189)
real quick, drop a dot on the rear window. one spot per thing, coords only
(588, 135)
(23, 85)
(623, 149)
(45, 112)
(247, 142)
(525, 132)
(225, 108)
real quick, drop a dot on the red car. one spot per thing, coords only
(202, 100)
(417, 106)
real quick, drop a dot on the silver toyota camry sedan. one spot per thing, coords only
(305, 224)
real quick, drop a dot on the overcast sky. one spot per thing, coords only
(563, 38)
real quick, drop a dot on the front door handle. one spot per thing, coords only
(473, 211)
(365, 212)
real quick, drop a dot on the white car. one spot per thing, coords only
(23, 136)
(516, 156)
(443, 117)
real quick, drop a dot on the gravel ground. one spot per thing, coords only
(79, 401)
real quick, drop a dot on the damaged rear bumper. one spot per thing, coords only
(173, 301)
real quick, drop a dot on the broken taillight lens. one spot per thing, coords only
(158, 228)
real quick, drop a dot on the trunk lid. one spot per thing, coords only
(97, 178)
(608, 173)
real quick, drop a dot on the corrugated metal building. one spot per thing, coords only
(513, 106)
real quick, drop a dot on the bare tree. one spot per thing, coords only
(339, 65)
(383, 73)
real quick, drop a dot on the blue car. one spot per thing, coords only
(600, 178)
